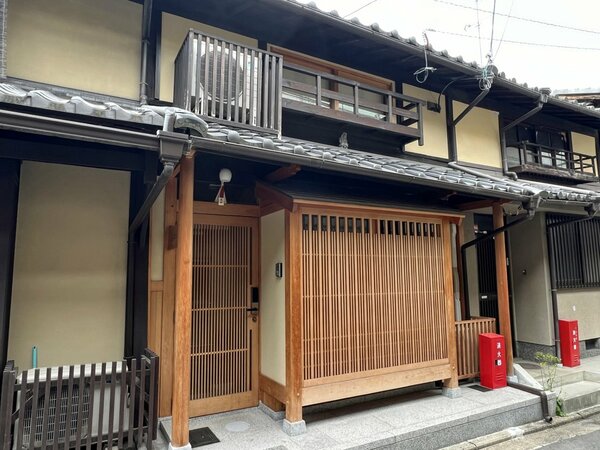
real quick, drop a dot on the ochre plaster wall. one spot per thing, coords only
(478, 136)
(70, 265)
(581, 305)
(272, 298)
(82, 44)
(174, 31)
(436, 139)
(582, 143)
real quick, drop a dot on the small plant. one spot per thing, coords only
(548, 365)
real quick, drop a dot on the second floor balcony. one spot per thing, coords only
(537, 159)
(225, 81)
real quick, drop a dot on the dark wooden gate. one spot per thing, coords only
(80, 406)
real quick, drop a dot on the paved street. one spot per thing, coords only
(583, 434)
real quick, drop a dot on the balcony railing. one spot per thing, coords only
(327, 95)
(228, 81)
(529, 157)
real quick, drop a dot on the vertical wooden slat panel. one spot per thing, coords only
(374, 294)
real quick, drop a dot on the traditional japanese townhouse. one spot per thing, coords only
(264, 196)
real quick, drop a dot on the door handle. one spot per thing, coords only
(253, 309)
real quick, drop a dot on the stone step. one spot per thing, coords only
(580, 395)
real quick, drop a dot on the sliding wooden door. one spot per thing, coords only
(224, 366)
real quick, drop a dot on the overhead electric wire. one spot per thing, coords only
(525, 19)
(360, 9)
(479, 33)
(505, 27)
(492, 34)
(537, 44)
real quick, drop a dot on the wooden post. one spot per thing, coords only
(183, 305)
(452, 382)
(502, 285)
(293, 318)
(168, 312)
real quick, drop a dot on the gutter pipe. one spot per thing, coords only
(543, 99)
(539, 392)
(147, 14)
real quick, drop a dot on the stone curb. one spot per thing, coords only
(515, 432)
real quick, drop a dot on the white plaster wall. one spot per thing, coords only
(70, 265)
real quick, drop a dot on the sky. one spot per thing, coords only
(543, 65)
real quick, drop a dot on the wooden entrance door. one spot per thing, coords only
(224, 365)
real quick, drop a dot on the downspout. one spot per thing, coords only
(592, 210)
(530, 206)
(172, 147)
(542, 100)
(146, 16)
(539, 392)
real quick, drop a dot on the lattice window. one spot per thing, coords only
(373, 293)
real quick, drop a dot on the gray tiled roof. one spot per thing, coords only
(403, 167)
(412, 41)
(398, 168)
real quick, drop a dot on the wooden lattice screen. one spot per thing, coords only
(373, 293)
(220, 335)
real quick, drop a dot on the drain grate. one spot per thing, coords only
(202, 436)
(480, 388)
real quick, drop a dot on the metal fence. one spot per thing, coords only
(84, 406)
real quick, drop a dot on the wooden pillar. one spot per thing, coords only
(183, 305)
(451, 382)
(293, 318)
(168, 304)
(502, 285)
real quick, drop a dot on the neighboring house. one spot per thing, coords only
(584, 96)
(333, 268)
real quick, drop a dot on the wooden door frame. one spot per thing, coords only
(161, 294)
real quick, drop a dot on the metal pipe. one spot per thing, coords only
(490, 235)
(539, 392)
(146, 17)
(471, 105)
(524, 117)
(160, 183)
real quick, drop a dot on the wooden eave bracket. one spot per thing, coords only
(270, 195)
(283, 173)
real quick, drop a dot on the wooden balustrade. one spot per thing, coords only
(228, 81)
(347, 100)
(467, 343)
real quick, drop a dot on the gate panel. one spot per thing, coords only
(373, 294)
(224, 336)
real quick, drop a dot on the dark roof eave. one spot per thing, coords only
(249, 151)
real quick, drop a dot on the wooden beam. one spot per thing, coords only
(293, 317)
(479, 204)
(451, 382)
(282, 173)
(268, 194)
(502, 286)
(183, 305)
